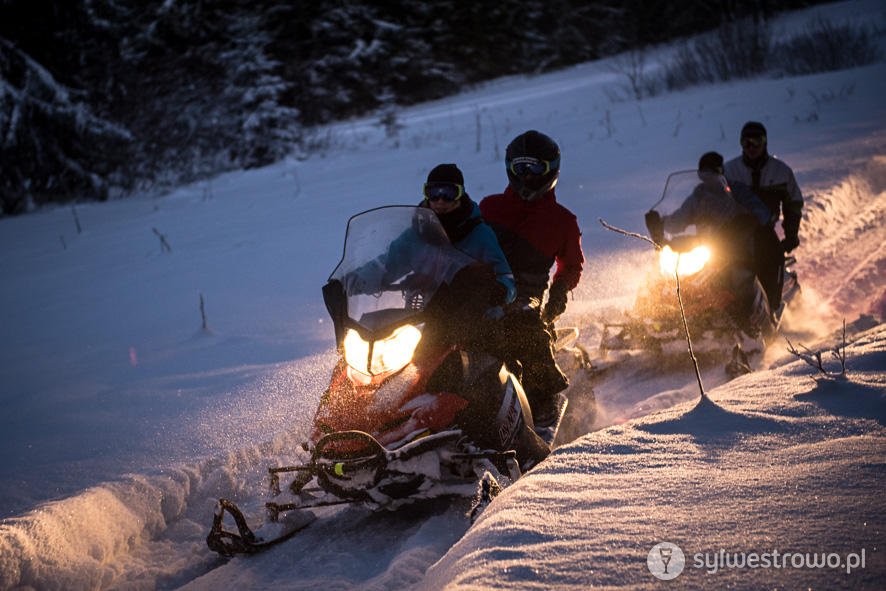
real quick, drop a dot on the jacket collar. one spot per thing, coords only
(456, 222)
(547, 198)
(758, 163)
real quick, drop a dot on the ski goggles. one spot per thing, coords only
(446, 191)
(523, 165)
(753, 141)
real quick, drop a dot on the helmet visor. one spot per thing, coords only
(526, 165)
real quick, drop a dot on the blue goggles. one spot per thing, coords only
(523, 165)
(445, 191)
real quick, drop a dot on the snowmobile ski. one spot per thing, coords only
(245, 541)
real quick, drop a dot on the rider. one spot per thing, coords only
(478, 284)
(472, 294)
(713, 205)
(774, 182)
(444, 193)
(733, 213)
(535, 232)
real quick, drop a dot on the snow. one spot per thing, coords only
(773, 460)
(123, 420)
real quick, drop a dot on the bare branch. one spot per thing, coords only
(679, 299)
(814, 358)
(627, 233)
(164, 245)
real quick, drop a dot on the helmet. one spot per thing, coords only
(533, 164)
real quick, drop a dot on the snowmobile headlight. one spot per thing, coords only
(689, 262)
(383, 356)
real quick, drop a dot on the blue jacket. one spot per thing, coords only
(470, 234)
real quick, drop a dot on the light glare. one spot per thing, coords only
(388, 355)
(689, 262)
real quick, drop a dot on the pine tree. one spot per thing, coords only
(52, 146)
(266, 129)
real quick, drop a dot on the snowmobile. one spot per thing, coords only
(410, 413)
(726, 308)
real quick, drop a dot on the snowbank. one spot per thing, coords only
(775, 461)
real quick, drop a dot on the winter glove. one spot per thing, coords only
(790, 243)
(417, 282)
(494, 313)
(556, 302)
(473, 288)
(655, 226)
(497, 294)
(524, 306)
(354, 284)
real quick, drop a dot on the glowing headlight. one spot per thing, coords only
(387, 355)
(690, 262)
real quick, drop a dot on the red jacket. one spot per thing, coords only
(534, 235)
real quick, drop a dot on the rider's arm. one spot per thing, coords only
(569, 258)
(792, 208)
(749, 200)
(491, 252)
(684, 215)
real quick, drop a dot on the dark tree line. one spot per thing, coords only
(104, 96)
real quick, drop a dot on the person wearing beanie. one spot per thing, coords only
(482, 282)
(773, 181)
(444, 193)
(536, 233)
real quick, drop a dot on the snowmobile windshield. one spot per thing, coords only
(696, 203)
(395, 259)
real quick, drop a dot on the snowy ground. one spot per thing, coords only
(123, 420)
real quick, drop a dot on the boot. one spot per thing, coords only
(542, 385)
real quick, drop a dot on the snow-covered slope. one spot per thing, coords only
(774, 461)
(123, 420)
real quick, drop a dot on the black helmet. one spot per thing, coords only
(533, 163)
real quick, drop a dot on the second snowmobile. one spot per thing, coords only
(725, 306)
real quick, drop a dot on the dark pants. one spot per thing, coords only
(769, 264)
(523, 341)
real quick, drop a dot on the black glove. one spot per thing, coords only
(556, 302)
(418, 282)
(497, 294)
(655, 226)
(355, 284)
(790, 243)
(476, 287)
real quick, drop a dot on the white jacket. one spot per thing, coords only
(777, 187)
